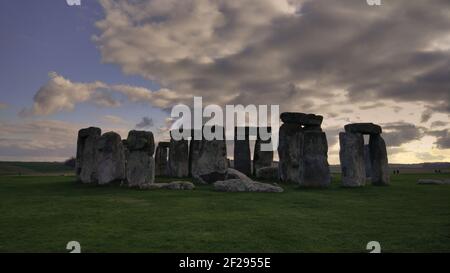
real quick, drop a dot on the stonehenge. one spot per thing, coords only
(242, 155)
(140, 162)
(208, 158)
(178, 158)
(359, 161)
(161, 159)
(85, 169)
(262, 158)
(110, 159)
(303, 150)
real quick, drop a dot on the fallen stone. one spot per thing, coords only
(235, 174)
(363, 128)
(301, 119)
(176, 185)
(238, 185)
(110, 159)
(433, 182)
(268, 173)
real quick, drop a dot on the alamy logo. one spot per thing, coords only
(73, 2)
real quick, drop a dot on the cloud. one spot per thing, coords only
(3, 105)
(61, 94)
(439, 123)
(426, 115)
(442, 138)
(114, 119)
(398, 133)
(145, 123)
(284, 51)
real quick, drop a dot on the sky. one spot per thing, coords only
(122, 65)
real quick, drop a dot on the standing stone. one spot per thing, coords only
(86, 154)
(262, 159)
(290, 151)
(351, 155)
(140, 162)
(368, 165)
(110, 158)
(379, 161)
(242, 155)
(316, 170)
(161, 159)
(208, 159)
(178, 158)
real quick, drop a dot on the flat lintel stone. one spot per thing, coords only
(363, 128)
(301, 118)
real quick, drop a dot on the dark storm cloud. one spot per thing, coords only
(442, 138)
(398, 133)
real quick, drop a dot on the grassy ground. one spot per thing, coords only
(34, 168)
(41, 214)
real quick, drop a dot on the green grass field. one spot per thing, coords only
(41, 214)
(34, 168)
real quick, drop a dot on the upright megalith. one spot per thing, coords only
(161, 159)
(86, 154)
(242, 154)
(290, 152)
(359, 161)
(367, 163)
(208, 158)
(178, 157)
(303, 150)
(262, 157)
(379, 161)
(140, 162)
(110, 158)
(316, 170)
(351, 155)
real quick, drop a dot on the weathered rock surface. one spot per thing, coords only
(110, 158)
(301, 118)
(351, 155)
(379, 161)
(316, 170)
(363, 128)
(161, 159)
(268, 173)
(238, 185)
(176, 185)
(235, 174)
(140, 162)
(290, 151)
(242, 154)
(179, 158)
(433, 182)
(261, 157)
(209, 161)
(86, 154)
(141, 141)
(367, 163)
